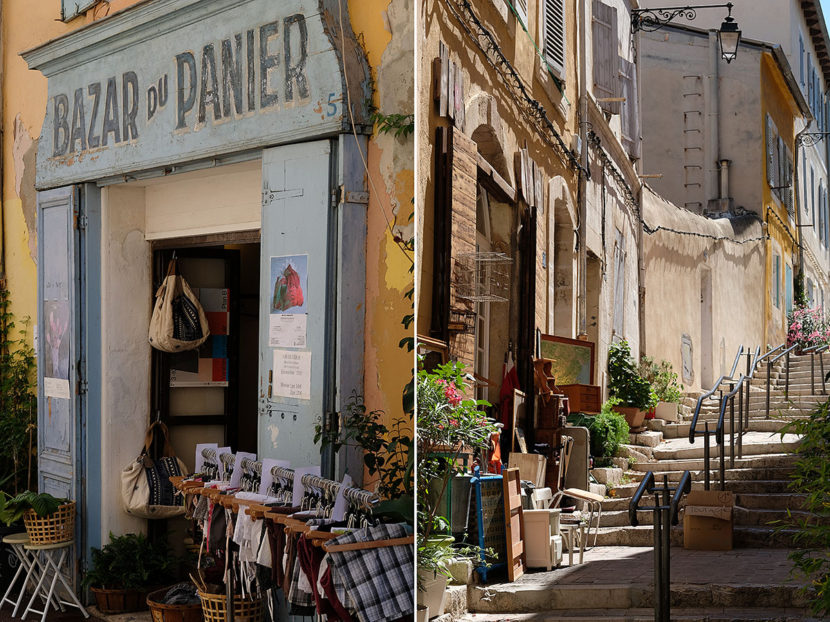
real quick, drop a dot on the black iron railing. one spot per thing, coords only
(665, 515)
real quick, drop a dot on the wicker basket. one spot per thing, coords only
(172, 613)
(119, 601)
(214, 605)
(52, 529)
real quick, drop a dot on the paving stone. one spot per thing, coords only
(610, 476)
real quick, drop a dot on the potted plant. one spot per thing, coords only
(125, 570)
(48, 520)
(449, 425)
(625, 383)
(664, 381)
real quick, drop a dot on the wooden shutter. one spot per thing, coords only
(521, 10)
(786, 193)
(606, 66)
(771, 153)
(630, 117)
(553, 24)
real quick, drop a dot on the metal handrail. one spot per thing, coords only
(721, 380)
(665, 511)
(812, 351)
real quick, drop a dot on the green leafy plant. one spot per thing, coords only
(662, 379)
(449, 424)
(130, 562)
(811, 477)
(608, 430)
(13, 508)
(386, 452)
(18, 400)
(624, 380)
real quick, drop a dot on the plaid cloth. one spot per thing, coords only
(379, 583)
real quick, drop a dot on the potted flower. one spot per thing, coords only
(124, 571)
(664, 381)
(449, 426)
(807, 328)
(624, 382)
(48, 520)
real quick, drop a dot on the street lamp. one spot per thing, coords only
(729, 34)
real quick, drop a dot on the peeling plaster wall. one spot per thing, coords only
(387, 30)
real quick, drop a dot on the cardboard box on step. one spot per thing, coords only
(707, 520)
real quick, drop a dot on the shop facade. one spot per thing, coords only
(235, 138)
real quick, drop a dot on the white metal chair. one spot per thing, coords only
(48, 559)
(26, 569)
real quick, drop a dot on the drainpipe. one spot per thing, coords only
(713, 154)
(582, 258)
(638, 168)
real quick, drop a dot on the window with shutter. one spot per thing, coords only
(801, 59)
(781, 181)
(771, 153)
(788, 287)
(812, 212)
(553, 39)
(630, 117)
(776, 280)
(521, 11)
(606, 65)
(787, 181)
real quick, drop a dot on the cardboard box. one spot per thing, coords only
(707, 520)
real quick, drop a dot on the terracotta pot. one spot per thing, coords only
(634, 417)
(119, 601)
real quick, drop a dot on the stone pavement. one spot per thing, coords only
(612, 564)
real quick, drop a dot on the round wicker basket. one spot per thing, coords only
(244, 610)
(52, 529)
(172, 613)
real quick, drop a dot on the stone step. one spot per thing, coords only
(747, 517)
(720, 614)
(771, 501)
(743, 536)
(696, 464)
(681, 430)
(754, 443)
(748, 486)
(536, 593)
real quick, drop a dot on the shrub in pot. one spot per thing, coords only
(664, 381)
(608, 430)
(125, 570)
(626, 384)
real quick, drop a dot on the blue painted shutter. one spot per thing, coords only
(297, 220)
(788, 288)
(70, 9)
(58, 345)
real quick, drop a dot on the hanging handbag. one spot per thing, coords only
(179, 322)
(146, 489)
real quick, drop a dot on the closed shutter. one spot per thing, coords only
(521, 11)
(463, 194)
(553, 23)
(630, 117)
(70, 9)
(786, 193)
(771, 153)
(606, 66)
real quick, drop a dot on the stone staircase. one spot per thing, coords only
(735, 589)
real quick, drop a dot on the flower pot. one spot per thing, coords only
(666, 411)
(161, 612)
(423, 614)
(634, 417)
(119, 601)
(432, 588)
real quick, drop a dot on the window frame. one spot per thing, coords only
(80, 7)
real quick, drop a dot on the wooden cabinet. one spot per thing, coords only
(543, 544)
(583, 398)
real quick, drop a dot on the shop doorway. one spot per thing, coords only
(210, 394)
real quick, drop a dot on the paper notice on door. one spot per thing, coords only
(56, 387)
(292, 374)
(287, 330)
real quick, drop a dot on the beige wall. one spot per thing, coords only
(675, 265)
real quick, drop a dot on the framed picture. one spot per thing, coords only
(573, 359)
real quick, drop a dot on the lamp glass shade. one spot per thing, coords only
(729, 37)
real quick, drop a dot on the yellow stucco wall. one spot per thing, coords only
(778, 102)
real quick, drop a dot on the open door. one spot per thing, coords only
(297, 310)
(58, 343)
